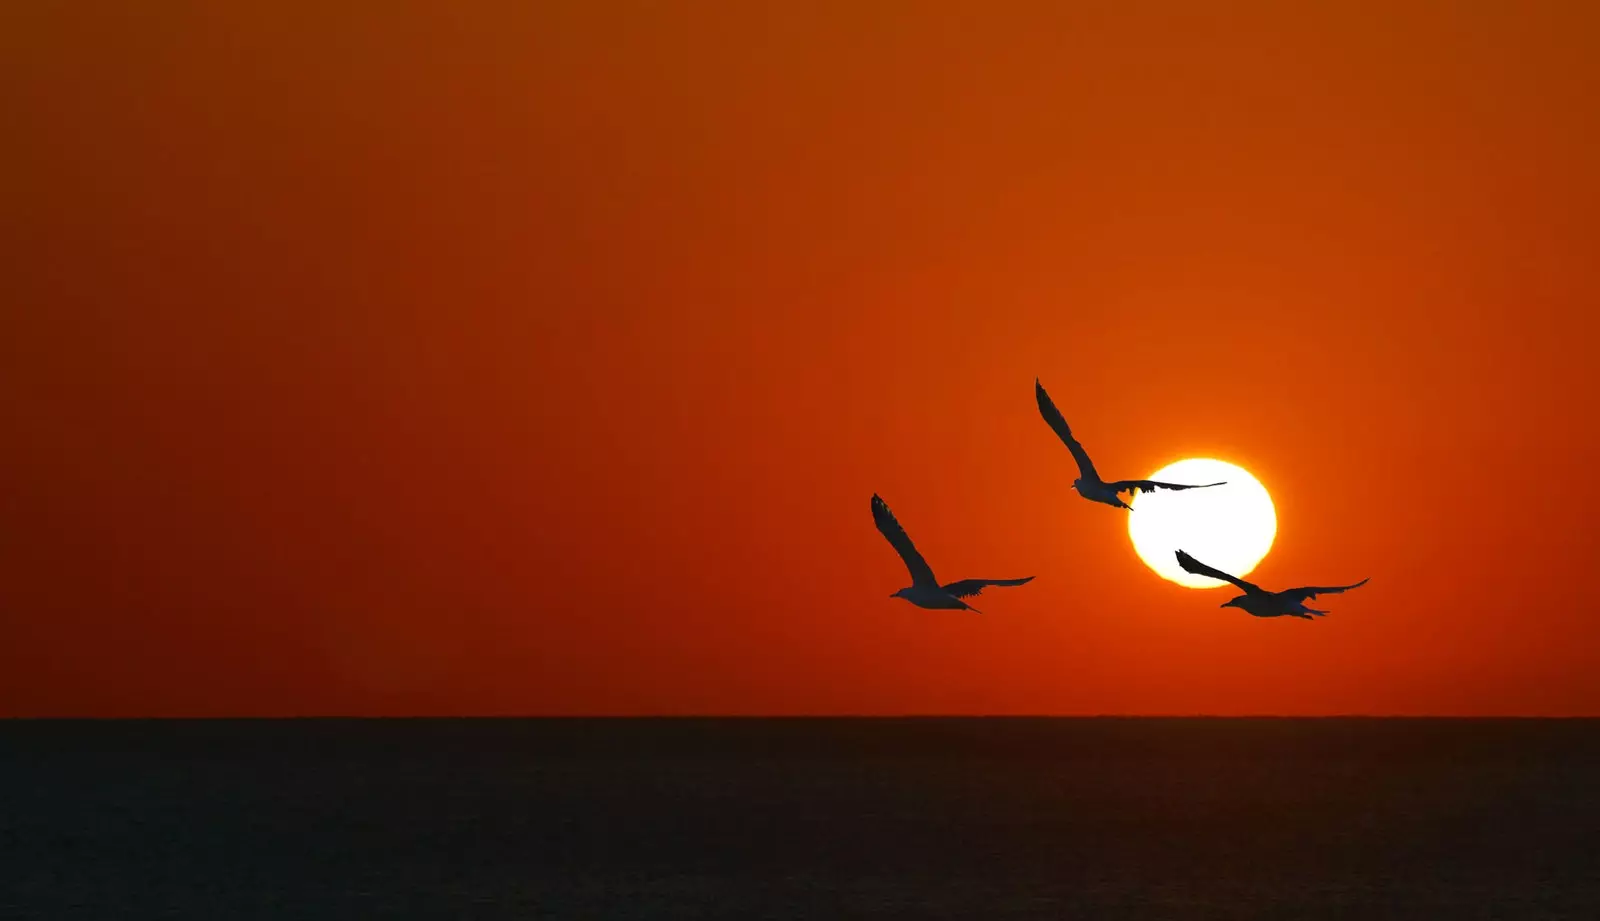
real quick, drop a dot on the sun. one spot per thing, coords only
(1230, 527)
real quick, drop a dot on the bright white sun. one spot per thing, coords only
(1230, 527)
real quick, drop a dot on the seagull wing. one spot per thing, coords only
(1053, 416)
(1312, 591)
(966, 588)
(1152, 485)
(921, 574)
(1191, 565)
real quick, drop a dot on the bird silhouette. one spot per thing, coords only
(925, 590)
(1260, 602)
(1088, 484)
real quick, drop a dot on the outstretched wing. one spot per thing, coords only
(1191, 565)
(1058, 424)
(1152, 485)
(966, 588)
(921, 575)
(1311, 591)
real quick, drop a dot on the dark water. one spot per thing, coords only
(1305, 819)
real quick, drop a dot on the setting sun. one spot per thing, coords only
(1229, 526)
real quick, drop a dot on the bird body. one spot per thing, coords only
(925, 590)
(1096, 491)
(1089, 484)
(934, 598)
(1257, 601)
(1271, 604)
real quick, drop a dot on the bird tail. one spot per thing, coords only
(1316, 612)
(973, 609)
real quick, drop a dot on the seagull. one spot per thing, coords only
(1088, 484)
(1262, 603)
(925, 591)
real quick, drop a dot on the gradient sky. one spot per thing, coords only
(542, 358)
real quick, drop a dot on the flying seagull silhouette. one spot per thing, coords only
(1262, 603)
(1088, 484)
(925, 591)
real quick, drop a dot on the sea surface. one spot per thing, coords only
(801, 818)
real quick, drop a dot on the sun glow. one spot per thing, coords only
(1230, 527)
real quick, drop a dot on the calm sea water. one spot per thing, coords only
(993, 819)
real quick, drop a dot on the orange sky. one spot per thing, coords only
(542, 358)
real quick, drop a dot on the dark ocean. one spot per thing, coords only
(813, 818)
